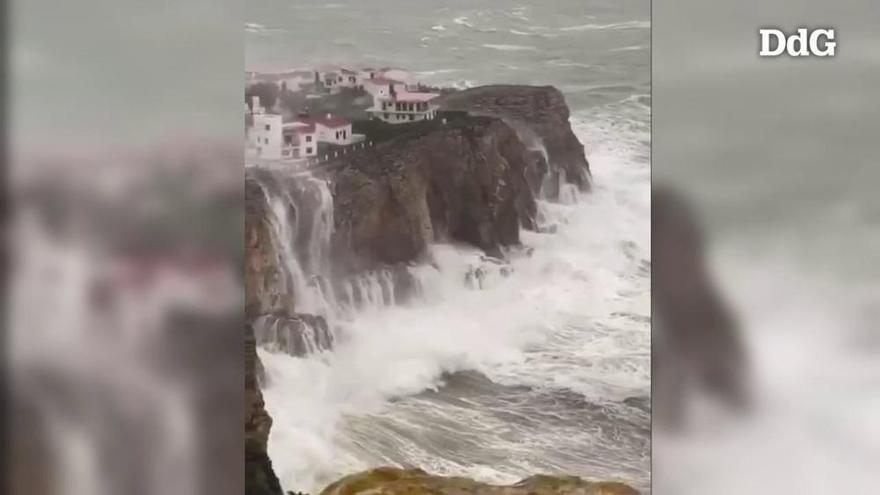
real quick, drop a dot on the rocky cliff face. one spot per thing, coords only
(265, 288)
(393, 481)
(260, 479)
(461, 182)
(472, 180)
(540, 114)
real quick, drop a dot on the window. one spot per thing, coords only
(386, 115)
(308, 139)
(337, 135)
(309, 151)
(265, 140)
(268, 127)
(345, 134)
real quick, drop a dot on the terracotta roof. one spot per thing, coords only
(330, 120)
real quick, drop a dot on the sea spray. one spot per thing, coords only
(566, 315)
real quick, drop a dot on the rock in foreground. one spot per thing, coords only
(394, 481)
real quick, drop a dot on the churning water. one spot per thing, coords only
(537, 364)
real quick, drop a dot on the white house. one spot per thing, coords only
(296, 79)
(365, 74)
(400, 107)
(349, 79)
(382, 86)
(300, 140)
(331, 129)
(331, 76)
(264, 135)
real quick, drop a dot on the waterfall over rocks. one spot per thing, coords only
(379, 283)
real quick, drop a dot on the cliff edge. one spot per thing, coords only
(541, 115)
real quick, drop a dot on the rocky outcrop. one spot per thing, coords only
(260, 479)
(541, 115)
(394, 481)
(464, 182)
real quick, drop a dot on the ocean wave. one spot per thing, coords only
(254, 27)
(520, 13)
(463, 21)
(616, 25)
(629, 48)
(510, 48)
(556, 310)
(438, 27)
(569, 63)
(429, 73)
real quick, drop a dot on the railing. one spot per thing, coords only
(311, 162)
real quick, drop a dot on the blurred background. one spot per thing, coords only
(125, 246)
(766, 231)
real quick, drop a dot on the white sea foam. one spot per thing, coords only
(510, 48)
(616, 25)
(463, 21)
(629, 48)
(580, 298)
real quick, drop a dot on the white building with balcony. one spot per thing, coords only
(400, 107)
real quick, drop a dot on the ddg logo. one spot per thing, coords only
(818, 42)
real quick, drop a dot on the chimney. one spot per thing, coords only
(255, 104)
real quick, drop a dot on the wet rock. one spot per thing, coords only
(395, 481)
(264, 278)
(297, 334)
(460, 182)
(260, 479)
(540, 115)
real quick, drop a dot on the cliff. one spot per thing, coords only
(471, 180)
(463, 182)
(541, 115)
(260, 479)
(394, 481)
(264, 280)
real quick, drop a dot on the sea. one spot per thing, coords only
(544, 367)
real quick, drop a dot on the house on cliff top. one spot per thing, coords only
(401, 106)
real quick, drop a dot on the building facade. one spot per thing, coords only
(400, 107)
(330, 129)
(264, 135)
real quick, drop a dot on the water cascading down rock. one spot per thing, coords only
(319, 249)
